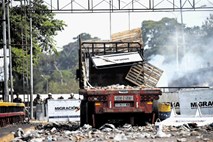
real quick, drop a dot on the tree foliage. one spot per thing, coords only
(207, 27)
(186, 51)
(44, 28)
(159, 36)
(165, 36)
(59, 69)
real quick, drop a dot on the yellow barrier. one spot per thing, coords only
(7, 104)
(164, 107)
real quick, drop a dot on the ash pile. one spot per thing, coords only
(72, 132)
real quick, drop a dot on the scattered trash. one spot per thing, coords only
(49, 138)
(181, 140)
(107, 127)
(86, 127)
(160, 133)
(120, 137)
(53, 130)
(108, 132)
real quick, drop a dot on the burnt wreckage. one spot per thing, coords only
(116, 82)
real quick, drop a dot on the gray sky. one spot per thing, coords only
(98, 24)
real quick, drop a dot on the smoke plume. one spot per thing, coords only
(192, 66)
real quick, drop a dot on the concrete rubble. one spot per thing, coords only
(72, 132)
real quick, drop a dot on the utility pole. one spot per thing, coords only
(31, 65)
(181, 19)
(110, 19)
(6, 95)
(10, 54)
(182, 33)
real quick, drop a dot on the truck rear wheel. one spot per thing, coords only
(99, 120)
(83, 113)
(87, 111)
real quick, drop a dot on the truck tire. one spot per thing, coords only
(83, 113)
(89, 112)
(99, 120)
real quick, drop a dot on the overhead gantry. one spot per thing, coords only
(106, 6)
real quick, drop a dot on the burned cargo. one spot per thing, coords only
(116, 82)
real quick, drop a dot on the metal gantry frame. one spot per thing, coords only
(106, 6)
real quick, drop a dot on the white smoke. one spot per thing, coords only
(168, 70)
(190, 65)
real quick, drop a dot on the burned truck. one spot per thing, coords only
(116, 82)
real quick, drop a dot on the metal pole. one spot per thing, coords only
(31, 68)
(129, 19)
(6, 95)
(110, 20)
(182, 32)
(177, 48)
(10, 54)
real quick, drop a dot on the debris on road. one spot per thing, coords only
(71, 131)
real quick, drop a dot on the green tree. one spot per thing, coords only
(160, 36)
(44, 28)
(61, 69)
(207, 28)
(194, 38)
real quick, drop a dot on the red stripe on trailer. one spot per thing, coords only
(2, 115)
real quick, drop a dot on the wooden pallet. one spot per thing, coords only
(144, 75)
(134, 35)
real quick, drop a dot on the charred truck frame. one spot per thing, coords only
(116, 83)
